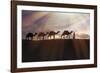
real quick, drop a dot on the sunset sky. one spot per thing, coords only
(36, 21)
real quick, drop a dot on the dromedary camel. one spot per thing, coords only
(66, 33)
(30, 36)
(41, 35)
(52, 33)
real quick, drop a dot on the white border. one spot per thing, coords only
(52, 63)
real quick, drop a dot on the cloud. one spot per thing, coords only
(36, 21)
(82, 36)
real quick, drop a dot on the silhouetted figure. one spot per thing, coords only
(52, 34)
(29, 36)
(74, 35)
(41, 35)
(66, 33)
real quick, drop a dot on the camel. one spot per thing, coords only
(52, 33)
(30, 36)
(41, 35)
(34, 35)
(66, 33)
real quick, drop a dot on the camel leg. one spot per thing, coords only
(54, 37)
(31, 38)
(64, 37)
(28, 38)
(68, 36)
(61, 37)
(50, 37)
(38, 38)
(43, 38)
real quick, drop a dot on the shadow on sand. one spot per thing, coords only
(52, 50)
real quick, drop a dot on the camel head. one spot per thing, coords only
(71, 31)
(47, 32)
(58, 32)
(35, 33)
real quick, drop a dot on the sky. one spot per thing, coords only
(42, 21)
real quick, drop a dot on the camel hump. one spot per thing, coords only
(65, 32)
(53, 32)
(29, 34)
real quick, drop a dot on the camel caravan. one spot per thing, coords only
(50, 35)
